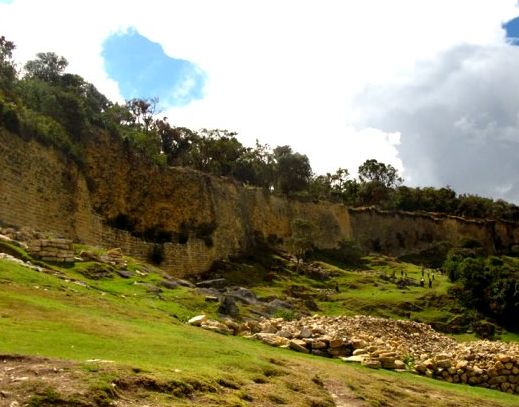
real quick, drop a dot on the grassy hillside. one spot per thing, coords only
(124, 340)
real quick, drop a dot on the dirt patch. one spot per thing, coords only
(342, 395)
(31, 379)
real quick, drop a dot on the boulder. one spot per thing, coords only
(197, 321)
(371, 363)
(298, 345)
(228, 307)
(216, 326)
(272, 339)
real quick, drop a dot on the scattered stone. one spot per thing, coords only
(185, 283)
(298, 345)
(215, 283)
(126, 274)
(228, 307)
(242, 294)
(354, 359)
(371, 363)
(216, 326)
(211, 298)
(272, 339)
(197, 321)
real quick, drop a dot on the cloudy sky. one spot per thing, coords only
(430, 86)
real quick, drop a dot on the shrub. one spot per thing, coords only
(9, 116)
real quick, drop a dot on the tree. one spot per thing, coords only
(377, 179)
(47, 66)
(142, 111)
(301, 240)
(385, 174)
(293, 171)
(7, 67)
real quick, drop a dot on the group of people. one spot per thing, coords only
(430, 277)
(430, 274)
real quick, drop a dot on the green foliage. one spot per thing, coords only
(286, 314)
(292, 170)
(349, 253)
(47, 66)
(490, 284)
(377, 180)
(49, 132)
(384, 174)
(9, 115)
(7, 66)
(302, 238)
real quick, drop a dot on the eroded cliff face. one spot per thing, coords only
(117, 200)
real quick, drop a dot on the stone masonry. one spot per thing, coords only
(54, 250)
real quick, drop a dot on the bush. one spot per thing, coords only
(49, 132)
(9, 116)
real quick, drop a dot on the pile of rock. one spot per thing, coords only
(54, 250)
(20, 235)
(387, 344)
(487, 364)
(113, 257)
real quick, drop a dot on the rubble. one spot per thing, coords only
(393, 344)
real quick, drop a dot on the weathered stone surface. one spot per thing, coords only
(228, 307)
(354, 359)
(197, 321)
(371, 363)
(299, 346)
(272, 339)
(216, 326)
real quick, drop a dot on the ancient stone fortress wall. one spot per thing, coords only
(192, 218)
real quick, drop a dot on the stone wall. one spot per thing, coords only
(54, 250)
(203, 218)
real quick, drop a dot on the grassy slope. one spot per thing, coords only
(122, 320)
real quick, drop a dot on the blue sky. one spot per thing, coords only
(143, 70)
(6, 1)
(512, 30)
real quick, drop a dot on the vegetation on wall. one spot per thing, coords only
(61, 109)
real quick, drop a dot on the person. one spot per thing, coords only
(430, 283)
(337, 289)
(401, 273)
(421, 282)
(433, 275)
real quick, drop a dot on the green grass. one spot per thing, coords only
(130, 322)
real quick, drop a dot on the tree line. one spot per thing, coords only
(62, 109)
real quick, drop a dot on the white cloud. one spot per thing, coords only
(286, 72)
(459, 120)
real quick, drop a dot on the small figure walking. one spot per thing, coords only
(422, 281)
(430, 283)
(401, 273)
